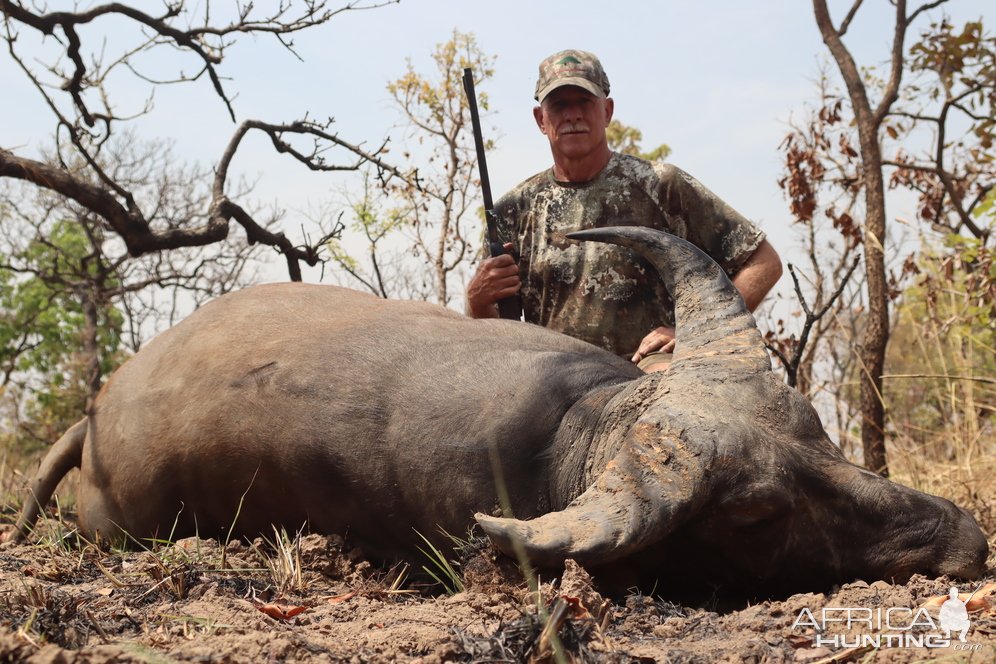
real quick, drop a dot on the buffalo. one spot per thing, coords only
(305, 405)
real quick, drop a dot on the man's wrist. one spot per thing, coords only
(482, 311)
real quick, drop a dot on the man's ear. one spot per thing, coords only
(610, 106)
(538, 116)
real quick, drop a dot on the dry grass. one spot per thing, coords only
(961, 468)
(968, 485)
(941, 406)
(282, 558)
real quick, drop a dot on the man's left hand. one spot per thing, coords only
(660, 340)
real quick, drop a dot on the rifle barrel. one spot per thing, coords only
(509, 307)
(482, 162)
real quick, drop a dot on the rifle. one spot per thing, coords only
(509, 307)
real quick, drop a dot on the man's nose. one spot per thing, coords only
(574, 111)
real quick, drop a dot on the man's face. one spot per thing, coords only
(574, 120)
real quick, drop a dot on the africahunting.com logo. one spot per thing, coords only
(893, 627)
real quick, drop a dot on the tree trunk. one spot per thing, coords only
(875, 337)
(91, 348)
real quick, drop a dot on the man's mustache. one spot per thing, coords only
(574, 128)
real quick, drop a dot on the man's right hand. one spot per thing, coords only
(496, 278)
(660, 340)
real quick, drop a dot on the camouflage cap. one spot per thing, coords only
(572, 67)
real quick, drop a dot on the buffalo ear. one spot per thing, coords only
(645, 492)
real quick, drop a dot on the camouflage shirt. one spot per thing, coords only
(604, 294)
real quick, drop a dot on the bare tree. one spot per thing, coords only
(792, 354)
(821, 184)
(441, 214)
(840, 153)
(870, 119)
(59, 258)
(74, 84)
(413, 237)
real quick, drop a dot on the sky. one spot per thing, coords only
(717, 81)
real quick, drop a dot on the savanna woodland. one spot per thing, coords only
(110, 236)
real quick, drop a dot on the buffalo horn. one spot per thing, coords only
(713, 326)
(649, 484)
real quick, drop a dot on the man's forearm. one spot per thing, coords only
(759, 273)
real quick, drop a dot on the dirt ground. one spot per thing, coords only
(314, 600)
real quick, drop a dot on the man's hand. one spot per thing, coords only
(496, 278)
(660, 339)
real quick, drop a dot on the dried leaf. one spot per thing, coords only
(577, 609)
(46, 572)
(281, 610)
(344, 597)
(982, 599)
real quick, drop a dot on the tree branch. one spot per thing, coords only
(847, 19)
(891, 92)
(922, 8)
(792, 364)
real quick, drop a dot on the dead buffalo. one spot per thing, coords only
(298, 404)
